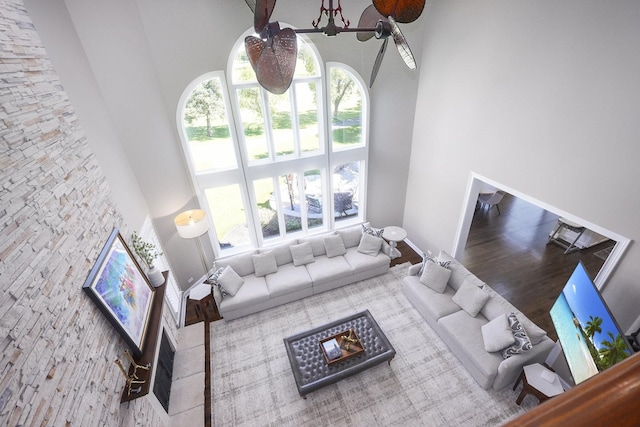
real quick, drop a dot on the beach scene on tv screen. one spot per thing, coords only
(590, 339)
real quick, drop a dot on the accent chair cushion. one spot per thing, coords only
(435, 276)
(522, 342)
(370, 245)
(265, 263)
(334, 245)
(230, 281)
(470, 297)
(497, 334)
(302, 254)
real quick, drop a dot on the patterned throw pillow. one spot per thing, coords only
(367, 229)
(522, 344)
(213, 280)
(426, 258)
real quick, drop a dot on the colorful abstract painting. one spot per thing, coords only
(122, 291)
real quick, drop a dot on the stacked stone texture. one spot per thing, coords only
(57, 350)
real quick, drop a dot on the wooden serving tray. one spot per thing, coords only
(355, 348)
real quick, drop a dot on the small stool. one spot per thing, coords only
(539, 381)
(566, 224)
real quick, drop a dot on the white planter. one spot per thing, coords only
(155, 277)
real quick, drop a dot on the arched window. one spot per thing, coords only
(288, 164)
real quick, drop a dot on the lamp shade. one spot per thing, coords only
(191, 224)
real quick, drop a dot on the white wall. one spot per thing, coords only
(542, 97)
(142, 54)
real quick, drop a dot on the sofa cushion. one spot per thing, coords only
(229, 281)
(317, 244)
(435, 276)
(334, 245)
(470, 297)
(326, 269)
(253, 291)
(497, 334)
(264, 263)
(522, 342)
(462, 334)
(281, 252)
(435, 304)
(351, 236)
(288, 279)
(370, 245)
(241, 264)
(302, 253)
(458, 271)
(360, 262)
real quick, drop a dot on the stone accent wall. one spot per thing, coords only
(57, 350)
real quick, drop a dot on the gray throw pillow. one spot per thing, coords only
(435, 276)
(497, 334)
(302, 254)
(230, 281)
(470, 297)
(370, 245)
(522, 342)
(265, 263)
(334, 245)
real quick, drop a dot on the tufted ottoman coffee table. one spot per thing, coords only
(310, 369)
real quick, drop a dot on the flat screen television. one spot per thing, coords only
(591, 339)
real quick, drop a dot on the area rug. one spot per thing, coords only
(424, 385)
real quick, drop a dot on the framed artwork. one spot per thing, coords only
(123, 293)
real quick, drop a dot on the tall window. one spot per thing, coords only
(289, 164)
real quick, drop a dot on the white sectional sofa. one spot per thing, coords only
(276, 275)
(464, 333)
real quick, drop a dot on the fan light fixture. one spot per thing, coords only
(273, 53)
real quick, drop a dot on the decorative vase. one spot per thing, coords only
(155, 276)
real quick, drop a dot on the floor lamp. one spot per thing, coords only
(191, 225)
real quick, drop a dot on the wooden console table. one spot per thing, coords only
(148, 352)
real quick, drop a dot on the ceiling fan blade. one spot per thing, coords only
(252, 5)
(274, 60)
(404, 11)
(261, 13)
(370, 16)
(376, 65)
(402, 45)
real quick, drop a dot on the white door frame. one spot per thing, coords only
(476, 182)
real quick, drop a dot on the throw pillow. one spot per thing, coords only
(367, 229)
(497, 334)
(370, 245)
(426, 258)
(334, 246)
(470, 298)
(213, 280)
(435, 276)
(265, 263)
(351, 236)
(522, 342)
(302, 254)
(230, 281)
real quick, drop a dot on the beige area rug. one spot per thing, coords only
(425, 385)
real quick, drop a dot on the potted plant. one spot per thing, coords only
(147, 253)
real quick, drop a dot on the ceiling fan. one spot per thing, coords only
(273, 53)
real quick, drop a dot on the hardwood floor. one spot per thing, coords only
(510, 253)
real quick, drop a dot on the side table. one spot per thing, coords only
(539, 381)
(394, 234)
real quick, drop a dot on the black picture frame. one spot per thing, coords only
(122, 292)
